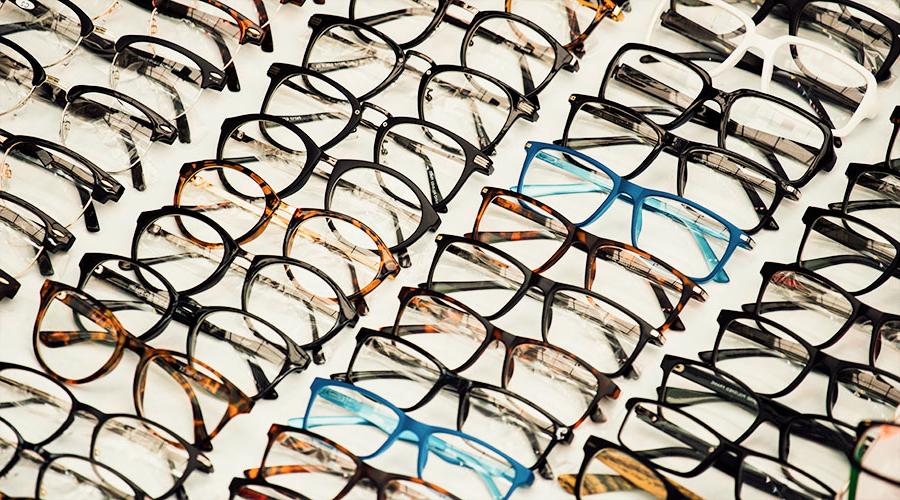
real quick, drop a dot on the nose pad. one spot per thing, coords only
(464, 411)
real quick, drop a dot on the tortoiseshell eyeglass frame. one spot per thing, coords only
(241, 487)
(591, 245)
(605, 388)
(179, 366)
(248, 30)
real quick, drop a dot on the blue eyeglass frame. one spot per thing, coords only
(411, 430)
(636, 195)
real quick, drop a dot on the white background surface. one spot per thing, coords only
(241, 444)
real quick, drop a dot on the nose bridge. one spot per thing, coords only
(676, 145)
(545, 285)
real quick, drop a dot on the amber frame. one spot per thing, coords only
(605, 386)
(364, 471)
(250, 32)
(176, 364)
(591, 244)
(609, 9)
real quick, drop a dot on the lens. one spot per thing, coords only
(553, 379)
(649, 428)
(33, 403)
(887, 356)
(183, 249)
(269, 492)
(393, 370)
(51, 29)
(434, 161)
(32, 172)
(138, 297)
(642, 79)
(861, 393)
(761, 355)
(744, 193)
(711, 397)
(805, 305)
(687, 236)
(156, 458)
(764, 477)
(473, 107)
(635, 282)
(326, 468)
(10, 445)
(513, 51)
(437, 326)
(526, 431)
(335, 403)
(379, 200)
(206, 30)
(563, 19)
(821, 447)
(18, 77)
(271, 150)
(235, 201)
(358, 59)
(94, 122)
(298, 302)
(874, 199)
(311, 103)
(21, 235)
(401, 489)
(583, 322)
(73, 338)
(847, 30)
(472, 468)
(607, 463)
(476, 276)
(688, 26)
(876, 437)
(71, 477)
(401, 20)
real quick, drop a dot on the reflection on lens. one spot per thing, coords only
(21, 236)
(874, 199)
(888, 356)
(309, 102)
(847, 30)
(609, 463)
(861, 393)
(821, 447)
(687, 26)
(17, 82)
(394, 371)
(138, 298)
(413, 19)
(76, 478)
(473, 107)
(562, 19)
(51, 31)
(512, 51)
(462, 463)
(339, 404)
(207, 31)
(10, 444)
(359, 60)
(476, 276)
(184, 250)
(327, 468)
(650, 427)
(34, 404)
(235, 200)
(452, 334)
(271, 150)
(554, 380)
(527, 232)
(761, 476)
(805, 305)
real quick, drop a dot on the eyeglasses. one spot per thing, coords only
(28, 236)
(78, 340)
(40, 410)
(611, 133)
(868, 434)
(22, 75)
(840, 91)
(34, 167)
(542, 237)
(681, 444)
(583, 189)
(570, 22)
(773, 361)
(411, 378)
(52, 28)
(541, 372)
(295, 460)
(670, 90)
(822, 313)
(609, 468)
(473, 466)
(437, 160)
(871, 194)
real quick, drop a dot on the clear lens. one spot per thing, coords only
(570, 185)
(473, 107)
(156, 459)
(821, 447)
(164, 79)
(77, 478)
(137, 297)
(564, 20)
(234, 200)
(359, 60)
(398, 489)
(207, 31)
(379, 200)
(610, 463)
(554, 380)
(72, 339)
(21, 236)
(805, 305)
(605, 335)
(650, 81)
(438, 327)
(687, 237)
(94, 122)
(761, 477)
(877, 435)
(847, 30)
(434, 161)
(763, 357)
(350, 417)
(185, 250)
(474, 470)
(512, 51)
(34, 404)
(875, 198)
(10, 445)
(649, 428)
(317, 107)
(17, 77)
(775, 136)
(414, 18)
(394, 371)
(33, 172)
(861, 394)
(529, 233)
(326, 468)
(689, 26)
(887, 357)
(350, 255)
(295, 300)
(476, 276)
(50, 29)
(272, 151)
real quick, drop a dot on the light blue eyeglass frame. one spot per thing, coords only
(413, 431)
(636, 195)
